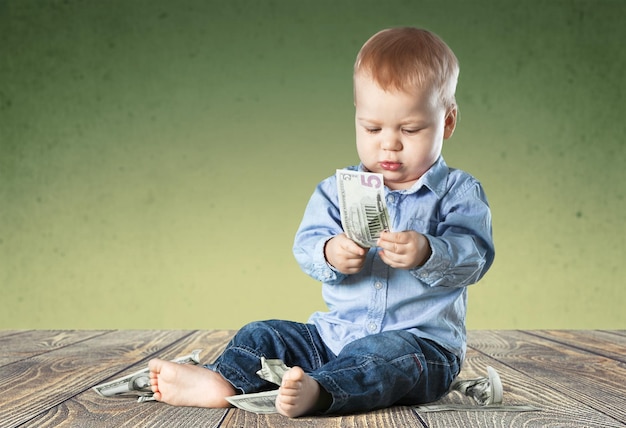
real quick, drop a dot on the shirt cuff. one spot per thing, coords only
(433, 270)
(324, 271)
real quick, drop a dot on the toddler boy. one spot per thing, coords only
(394, 332)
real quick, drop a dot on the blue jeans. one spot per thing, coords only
(377, 371)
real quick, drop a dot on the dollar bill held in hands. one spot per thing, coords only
(364, 214)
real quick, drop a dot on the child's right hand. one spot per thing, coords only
(344, 254)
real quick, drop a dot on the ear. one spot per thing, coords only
(450, 122)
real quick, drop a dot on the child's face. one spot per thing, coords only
(400, 134)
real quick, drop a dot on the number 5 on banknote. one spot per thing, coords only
(371, 180)
(362, 206)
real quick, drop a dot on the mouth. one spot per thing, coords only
(390, 166)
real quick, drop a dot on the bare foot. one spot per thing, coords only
(298, 395)
(187, 385)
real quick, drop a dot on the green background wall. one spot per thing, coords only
(156, 156)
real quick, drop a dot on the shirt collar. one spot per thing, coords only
(434, 179)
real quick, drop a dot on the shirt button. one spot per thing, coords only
(378, 285)
(391, 199)
(371, 326)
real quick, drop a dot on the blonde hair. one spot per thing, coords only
(406, 58)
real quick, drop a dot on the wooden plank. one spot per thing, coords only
(602, 343)
(7, 333)
(28, 343)
(124, 413)
(589, 379)
(557, 409)
(35, 385)
(400, 417)
(90, 410)
(52, 387)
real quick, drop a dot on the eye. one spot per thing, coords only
(411, 131)
(372, 129)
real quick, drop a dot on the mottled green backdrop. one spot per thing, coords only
(156, 156)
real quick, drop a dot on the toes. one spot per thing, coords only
(293, 375)
(154, 365)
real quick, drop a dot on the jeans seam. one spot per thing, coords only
(318, 357)
(419, 363)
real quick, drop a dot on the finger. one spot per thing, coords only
(385, 236)
(392, 241)
(353, 248)
(386, 259)
(390, 246)
(355, 262)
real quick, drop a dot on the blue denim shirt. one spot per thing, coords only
(449, 207)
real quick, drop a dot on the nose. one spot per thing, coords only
(391, 141)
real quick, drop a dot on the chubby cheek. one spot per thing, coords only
(435, 151)
(367, 152)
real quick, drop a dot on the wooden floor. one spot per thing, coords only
(576, 378)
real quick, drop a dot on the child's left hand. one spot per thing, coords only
(404, 250)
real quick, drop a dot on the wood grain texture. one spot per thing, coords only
(26, 344)
(400, 417)
(576, 378)
(89, 409)
(556, 408)
(589, 379)
(608, 344)
(46, 380)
